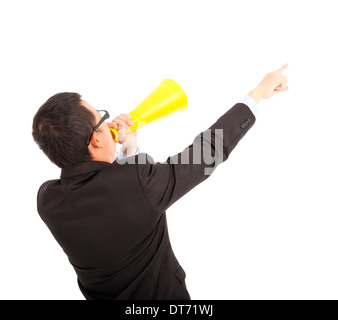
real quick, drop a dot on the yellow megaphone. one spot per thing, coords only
(166, 99)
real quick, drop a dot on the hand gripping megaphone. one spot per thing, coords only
(166, 99)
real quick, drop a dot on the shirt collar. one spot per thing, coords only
(84, 167)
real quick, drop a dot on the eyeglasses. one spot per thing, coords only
(105, 116)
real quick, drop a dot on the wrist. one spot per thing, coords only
(256, 94)
(129, 149)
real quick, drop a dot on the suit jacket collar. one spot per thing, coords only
(84, 167)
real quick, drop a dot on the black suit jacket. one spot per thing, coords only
(110, 219)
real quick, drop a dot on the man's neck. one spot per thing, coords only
(102, 158)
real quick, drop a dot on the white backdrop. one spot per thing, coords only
(264, 225)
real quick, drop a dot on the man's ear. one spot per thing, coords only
(95, 141)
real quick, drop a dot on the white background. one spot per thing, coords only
(264, 225)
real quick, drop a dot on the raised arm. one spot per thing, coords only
(164, 183)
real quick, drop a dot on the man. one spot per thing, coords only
(109, 214)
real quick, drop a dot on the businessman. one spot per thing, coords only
(108, 212)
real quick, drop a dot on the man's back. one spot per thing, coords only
(110, 219)
(118, 246)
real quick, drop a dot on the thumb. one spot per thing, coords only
(122, 135)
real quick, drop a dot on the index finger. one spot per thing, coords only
(126, 115)
(280, 70)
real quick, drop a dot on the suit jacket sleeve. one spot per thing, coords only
(164, 183)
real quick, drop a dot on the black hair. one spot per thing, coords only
(61, 128)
